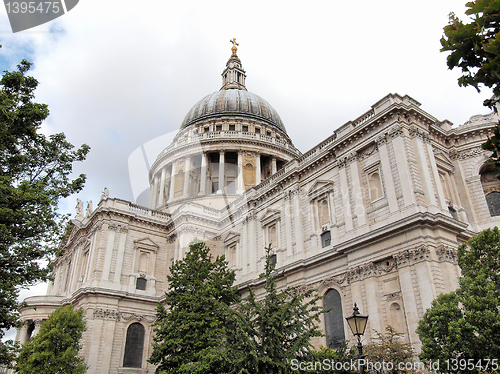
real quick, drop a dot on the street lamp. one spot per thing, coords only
(357, 323)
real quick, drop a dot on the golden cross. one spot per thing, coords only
(234, 48)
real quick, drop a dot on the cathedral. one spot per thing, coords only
(372, 215)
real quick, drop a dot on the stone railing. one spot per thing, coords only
(127, 206)
(221, 135)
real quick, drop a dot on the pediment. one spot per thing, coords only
(146, 243)
(443, 161)
(320, 187)
(269, 216)
(231, 237)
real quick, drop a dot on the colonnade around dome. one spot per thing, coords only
(226, 172)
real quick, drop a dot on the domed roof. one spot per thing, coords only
(233, 102)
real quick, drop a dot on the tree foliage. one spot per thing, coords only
(191, 329)
(276, 328)
(389, 348)
(475, 49)
(465, 324)
(475, 45)
(34, 174)
(54, 350)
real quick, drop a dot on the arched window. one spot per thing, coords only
(491, 188)
(134, 346)
(334, 320)
(375, 186)
(396, 318)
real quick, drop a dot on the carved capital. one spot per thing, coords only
(412, 256)
(101, 313)
(447, 254)
(416, 132)
(468, 153)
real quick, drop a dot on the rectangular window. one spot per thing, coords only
(244, 128)
(218, 128)
(257, 130)
(326, 239)
(232, 127)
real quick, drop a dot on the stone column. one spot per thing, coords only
(161, 198)
(221, 172)
(273, 166)
(387, 175)
(437, 180)
(258, 172)
(346, 199)
(297, 215)
(154, 192)
(187, 171)
(22, 333)
(203, 175)
(106, 267)
(38, 324)
(404, 171)
(252, 232)
(240, 187)
(359, 209)
(120, 255)
(288, 225)
(172, 182)
(424, 170)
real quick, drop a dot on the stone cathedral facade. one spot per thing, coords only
(372, 215)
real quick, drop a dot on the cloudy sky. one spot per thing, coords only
(118, 74)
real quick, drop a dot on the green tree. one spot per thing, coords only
(465, 324)
(475, 49)
(274, 329)
(54, 350)
(389, 348)
(191, 329)
(34, 174)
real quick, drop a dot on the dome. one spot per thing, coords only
(233, 102)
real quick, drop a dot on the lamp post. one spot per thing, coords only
(357, 323)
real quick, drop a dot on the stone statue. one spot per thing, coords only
(105, 194)
(234, 48)
(79, 208)
(89, 209)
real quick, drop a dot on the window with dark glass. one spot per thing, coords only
(493, 201)
(244, 128)
(334, 320)
(257, 130)
(273, 260)
(232, 127)
(326, 239)
(453, 212)
(141, 284)
(134, 346)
